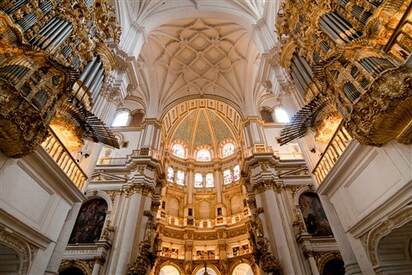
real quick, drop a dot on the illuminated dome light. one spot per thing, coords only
(121, 119)
(243, 269)
(208, 270)
(203, 155)
(178, 150)
(281, 115)
(228, 149)
(169, 270)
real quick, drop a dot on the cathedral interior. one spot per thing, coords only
(205, 137)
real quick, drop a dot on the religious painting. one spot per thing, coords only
(314, 216)
(90, 222)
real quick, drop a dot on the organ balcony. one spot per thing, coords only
(53, 64)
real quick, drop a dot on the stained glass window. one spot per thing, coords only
(198, 180)
(228, 149)
(178, 150)
(209, 180)
(227, 176)
(236, 173)
(203, 155)
(180, 177)
(170, 174)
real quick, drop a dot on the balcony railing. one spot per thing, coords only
(112, 161)
(58, 152)
(335, 148)
(203, 223)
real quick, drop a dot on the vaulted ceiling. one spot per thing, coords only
(199, 47)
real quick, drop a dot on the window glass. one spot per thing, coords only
(121, 119)
(178, 150)
(180, 177)
(198, 180)
(170, 174)
(209, 180)
(236, 173)
(203, 155)
(228, 149)
(227, 176)
(281, 115)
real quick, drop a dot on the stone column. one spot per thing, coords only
(98, 263)
(312, 262)
(131, 220)
(217, 172)
(273, 216)
(57, 256)
(351, 264)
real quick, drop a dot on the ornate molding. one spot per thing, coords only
(20, 247)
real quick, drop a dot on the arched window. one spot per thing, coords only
(266, 115)
(180, 177)
(198, 180)
(281, 115)
(236, 173)
(243, 269)
(170, 174)
(169, 270)
(89, 223)
(334, 267)
(121, 119)
(178, 150)
(209, 180)
(72, 271)
(315, 218)
(209, 270)
(227, 176)
(228, 149)
(203, 155)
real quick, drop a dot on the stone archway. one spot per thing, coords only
(395, 251)
(380, 239)
(18, 250)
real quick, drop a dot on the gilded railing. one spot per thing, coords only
(335, 148)
(58, 152)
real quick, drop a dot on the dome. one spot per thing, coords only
(203, 129)
(204, 134)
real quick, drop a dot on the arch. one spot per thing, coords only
(179, 150)
(243, 269)
(121, 118)
(332, 258)
(334, 267)
(266, 114)
(100, 194)
(211, 270)
(83, 266)
(228, 149)
(203, 155)
(313, 215)
(89, 222)
(72, 270)
(19, 248)
(169, 269)
(281, 115)
(396, 220)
